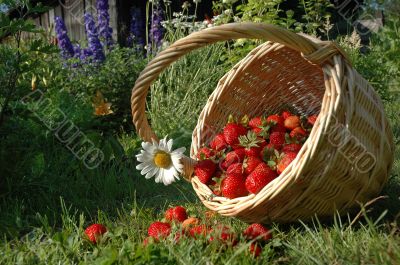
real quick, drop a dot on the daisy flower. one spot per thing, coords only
(159, 160)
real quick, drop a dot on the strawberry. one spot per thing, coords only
(259, 178)
(250, 164)
(312, 119)
(218, 143)
(253, 151)
(286, 114)
(293, 147)
(257, 231)
(255, 249)
(232, 131)
(278, 128)
(159, 230)
(233, 186)
(205, 153)
(275, 119)
(94, 232)
(235, 169)
(251, 143)
(235, 156)
(298, 133)
(292, 122)
(191, 221)
(285, 161)
(198, 230)
(176, 214)
(277, 139)
(256, 122)
(223, 234)
(204, 170)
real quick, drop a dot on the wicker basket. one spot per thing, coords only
(349, 153)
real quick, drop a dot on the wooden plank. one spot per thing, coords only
(51, 20)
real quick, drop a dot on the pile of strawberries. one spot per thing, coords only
(176, 219)
(250, 153)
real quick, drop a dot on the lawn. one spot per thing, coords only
(48, 196)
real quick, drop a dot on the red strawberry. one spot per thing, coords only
(223, 234)
(275, 119)
(292, 122)
(233, 186)
(95, 231)
(298, 133)
(286, 114)
(293, 147)
(235, 169)
(286, 160)
(176, 214)
(277, 139)
(232, 131)
(159, 230)
(204, 170)
(250, 164)
(205, 153)
(235, 156)
(259, 178)
(255, 122)
(278, 128)
(198, 230)
(312, 119)
(255, 249)
(257, 231)
(218, 143)
(253, 151)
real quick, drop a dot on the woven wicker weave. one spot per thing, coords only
(349, 153)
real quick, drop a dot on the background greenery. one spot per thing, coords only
(47, 196)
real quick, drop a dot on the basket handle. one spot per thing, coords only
(317, 53)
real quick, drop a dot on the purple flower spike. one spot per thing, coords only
(156, 29)
(64, 43)
(136, 34)
(103, 20)
(94, 43)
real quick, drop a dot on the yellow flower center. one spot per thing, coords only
(162, 159)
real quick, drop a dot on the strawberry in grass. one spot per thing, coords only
(176, 214)
(204, 170)
(259, 178)
(257, 231)
(255, 249)
(159, 230)
(94, 232)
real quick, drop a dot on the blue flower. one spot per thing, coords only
(103, 22)
(136, 32)
(64, 43)
(156, 29)
(94, 43)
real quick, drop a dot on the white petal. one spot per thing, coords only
(179, 151)
(151, 173)
(147, 169)
(169, 145)
(143, 165)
